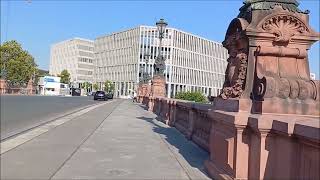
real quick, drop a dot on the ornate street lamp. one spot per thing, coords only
(161, 25)
(159, 66)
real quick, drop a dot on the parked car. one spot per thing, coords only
(110, 95)
(75, 91)
(90, 93)
(100, 95)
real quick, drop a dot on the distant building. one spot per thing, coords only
(193, 63)
(312, 76)
(49, 85)
(75, 55)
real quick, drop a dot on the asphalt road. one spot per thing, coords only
(19, 113)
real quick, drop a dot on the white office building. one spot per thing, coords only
(193, 63)
(75, 55)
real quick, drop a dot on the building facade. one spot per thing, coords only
(75, 55)
(192, 63)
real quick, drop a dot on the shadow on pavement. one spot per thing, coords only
(143, 106)
(193, 154)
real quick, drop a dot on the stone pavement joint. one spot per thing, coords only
(80, 144)
(131, 144)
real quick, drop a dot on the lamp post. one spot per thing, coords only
(146, 76)
(158, 85)
(160, 60)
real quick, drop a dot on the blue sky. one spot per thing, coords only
(38, 24)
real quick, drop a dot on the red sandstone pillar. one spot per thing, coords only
(267, 74)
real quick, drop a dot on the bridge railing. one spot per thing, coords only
(243, 144)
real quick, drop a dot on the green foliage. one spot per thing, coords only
(108, 87)
(17, 66)
(40, 73)
(86, 85)
(65, 76)
(95, 86)
(192, 96)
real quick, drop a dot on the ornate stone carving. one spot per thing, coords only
(284, 27)
(277, 83)
(268, 87)
(237, 66)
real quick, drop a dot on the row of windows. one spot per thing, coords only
(67, 62)
(150, 36)
(198, 61)
(87, 54)
(190, 76)
(116, 57)
(196, 44)
(117, 73)
(65, 54)
(83, 47)
(84, 72)
(86, 60)
(152, 51)
(85, 66)
(115, 41)
(84, 78)
(65, 48)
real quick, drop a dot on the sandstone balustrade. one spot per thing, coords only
(265, 123)
(245, 145)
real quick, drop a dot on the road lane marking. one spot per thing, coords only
(29, 135)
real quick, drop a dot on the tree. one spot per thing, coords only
(40, 73)
(108, 86)
(86, 85)
(192, 96)
(17, 65)
(95, 86)
(65, 76)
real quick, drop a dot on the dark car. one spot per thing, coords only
(75, 91)
(100, 95)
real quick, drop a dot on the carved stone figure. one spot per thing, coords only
(268, 68)
(237, 46)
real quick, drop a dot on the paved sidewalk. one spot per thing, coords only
(121, 143)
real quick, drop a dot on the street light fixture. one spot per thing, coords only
(160, 60)
(161, 25)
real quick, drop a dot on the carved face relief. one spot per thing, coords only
(237, 66)
(284, 27)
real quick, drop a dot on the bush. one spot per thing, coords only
(192, 96)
